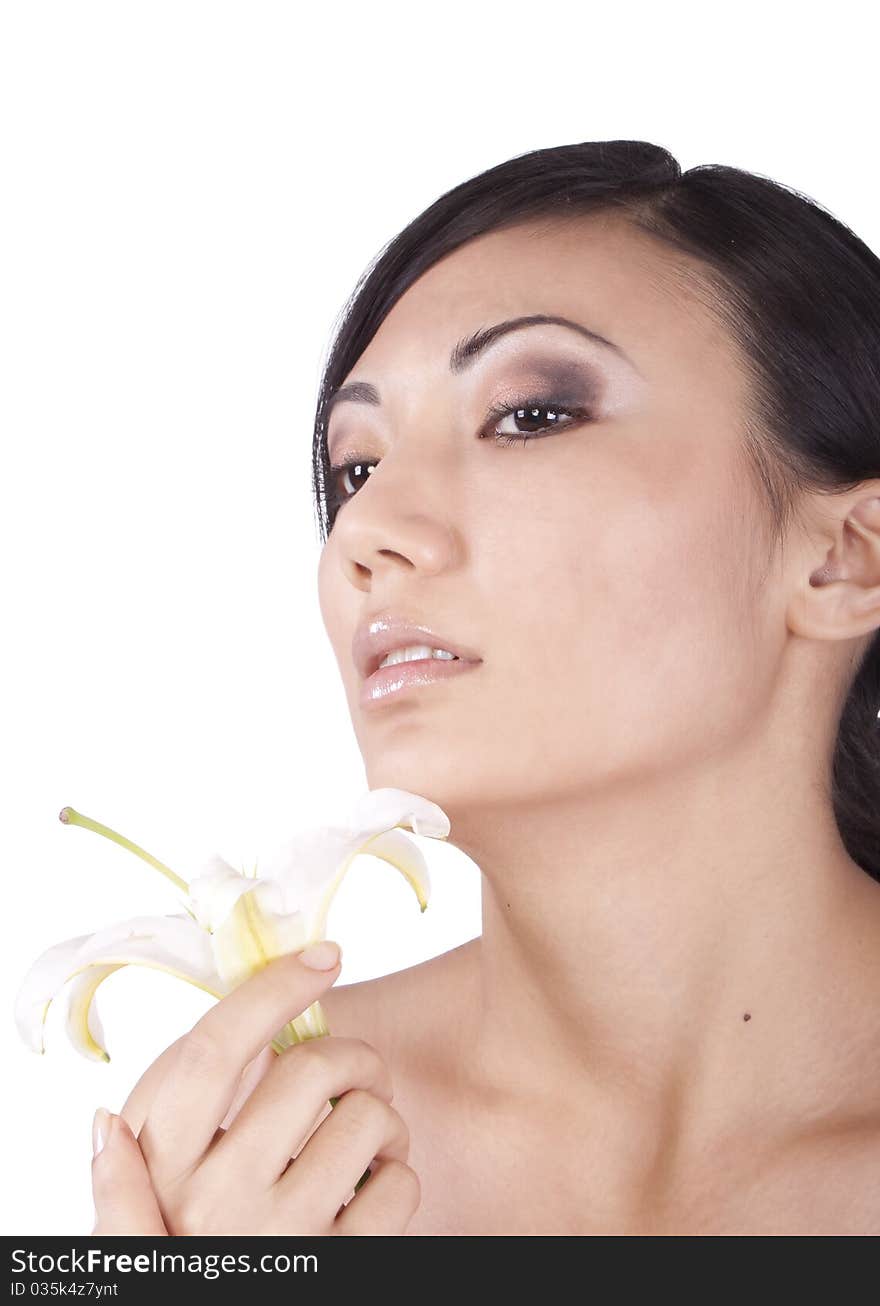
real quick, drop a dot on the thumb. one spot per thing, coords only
(124, 1199)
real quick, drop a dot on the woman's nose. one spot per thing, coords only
(414, 541)
(384, 527)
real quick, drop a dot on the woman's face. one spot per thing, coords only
(606, 572)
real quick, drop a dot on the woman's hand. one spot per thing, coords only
(169, 1167)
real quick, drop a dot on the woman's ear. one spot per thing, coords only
(840, 597)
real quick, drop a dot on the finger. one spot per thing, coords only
(386, 1203)
(253, 1072)
(140, 1099)
(125, 1202)
(195, 1095)
(275, 1119)
(360, 1127)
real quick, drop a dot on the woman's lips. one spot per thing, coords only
(392, 681)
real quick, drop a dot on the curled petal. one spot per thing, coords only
(175, 944)
(392, 846)
(385, 809)
(39, 986)
(310, 866)
(399, 851)
(84, 1027)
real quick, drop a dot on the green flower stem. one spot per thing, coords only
(69, 816)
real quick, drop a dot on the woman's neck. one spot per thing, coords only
(677, 968)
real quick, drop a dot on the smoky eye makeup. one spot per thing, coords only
(569, 383)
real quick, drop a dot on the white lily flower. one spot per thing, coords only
(234, 922)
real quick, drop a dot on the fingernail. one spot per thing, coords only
(321, 956)
(100, 1129)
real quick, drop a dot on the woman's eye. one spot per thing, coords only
(532, 419)
(338, 494)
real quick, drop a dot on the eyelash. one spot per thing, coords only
(494, 415)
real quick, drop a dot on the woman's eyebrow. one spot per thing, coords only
(466, 352)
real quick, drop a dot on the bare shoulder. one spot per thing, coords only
(844, 1171)
(396, 1012)
(827, 1184)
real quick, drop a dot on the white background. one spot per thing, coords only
(189, 193)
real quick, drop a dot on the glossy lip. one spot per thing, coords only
(388, 683)
(385, 632)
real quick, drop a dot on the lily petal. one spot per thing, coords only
(84, 1026)
(310, 866)
(385, 809)
(175, 944)
(256, 930)
(392, 846)
(399, 851)
(39, 986)
(306, 864)
(214, 892)
(372, 828)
